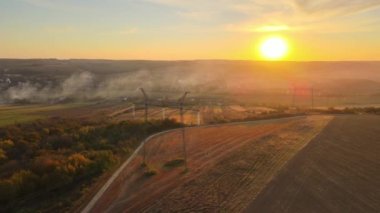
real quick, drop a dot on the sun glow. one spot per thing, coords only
(274, 48)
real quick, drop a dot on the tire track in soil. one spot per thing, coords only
(221, 194)
(165, 183)
(336, 172)
(216, 145)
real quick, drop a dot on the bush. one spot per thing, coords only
(8, 191)
(57, 179)
(6, 144)
(101, 161)
(3, 156)
(77, 164)
(24, 181)
(174, 163)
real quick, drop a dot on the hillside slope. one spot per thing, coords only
(337, 172)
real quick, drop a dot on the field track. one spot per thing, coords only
(337, 172)
(228, 166)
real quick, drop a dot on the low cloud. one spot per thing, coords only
(335, 7)
(282, 15)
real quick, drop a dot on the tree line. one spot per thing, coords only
(45, 164)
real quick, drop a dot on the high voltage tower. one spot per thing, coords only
(166, 103)
(181, 102)
(146, 100)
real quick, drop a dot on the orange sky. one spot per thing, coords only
(175, 29)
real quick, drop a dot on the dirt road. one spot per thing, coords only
(339, 171)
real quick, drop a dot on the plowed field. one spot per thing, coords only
(228, 165)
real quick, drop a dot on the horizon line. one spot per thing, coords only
(177, 60)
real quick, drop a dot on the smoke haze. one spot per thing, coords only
(38, 81)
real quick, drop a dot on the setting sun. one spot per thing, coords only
(274, 48)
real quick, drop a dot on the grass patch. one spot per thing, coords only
(12, 114)
(174, 163)
(150, 173)
(13, 118)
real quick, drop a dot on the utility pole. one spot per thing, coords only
(163, 113)
(134, 111)
(163, 103)
(312, 97)
(145, 104)
(199, 117)
(145, 122)
(294, 96)
(181, 103)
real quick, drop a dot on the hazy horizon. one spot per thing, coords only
(51, 80)
(195, 59)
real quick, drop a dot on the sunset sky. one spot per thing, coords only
(188, 29)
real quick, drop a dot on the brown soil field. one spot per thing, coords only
(228, 165)
(337, 172)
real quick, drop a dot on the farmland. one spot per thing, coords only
(228, 165)
(12, 114)
(337, 172)
(224, 164)
(73, 148)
